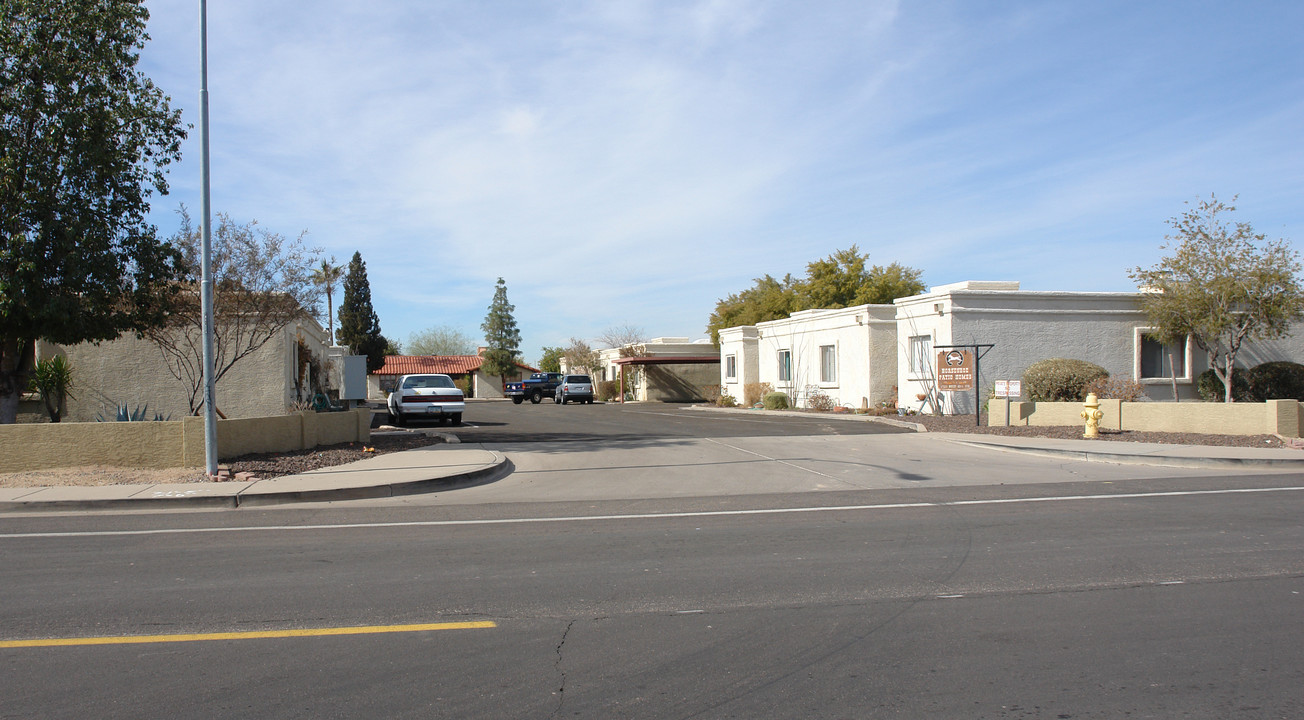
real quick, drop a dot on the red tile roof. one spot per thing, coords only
(443, 364)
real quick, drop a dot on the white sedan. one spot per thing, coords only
(432, 397)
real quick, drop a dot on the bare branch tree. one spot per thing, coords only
(262, 283)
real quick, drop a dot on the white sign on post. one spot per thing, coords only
(1009, 388)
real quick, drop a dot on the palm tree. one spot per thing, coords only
(325, 278)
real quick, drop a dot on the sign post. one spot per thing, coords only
(1008, 389)
(957, 369)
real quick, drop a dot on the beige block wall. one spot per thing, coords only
(134, 372)
(1280, 417)
(172, 443)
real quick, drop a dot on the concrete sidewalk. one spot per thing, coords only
(428, 469)
(452, 466)
(1119, 452)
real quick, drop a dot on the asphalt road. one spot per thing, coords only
(652, 563)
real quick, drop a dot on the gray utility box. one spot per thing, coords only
(353, 377)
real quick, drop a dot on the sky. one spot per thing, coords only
(631, 162)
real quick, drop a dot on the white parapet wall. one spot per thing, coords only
(39, 446)
(1275, 417)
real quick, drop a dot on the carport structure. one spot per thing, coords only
(686, 385)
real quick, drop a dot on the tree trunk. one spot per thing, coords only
(13, 376)
(1227, 381)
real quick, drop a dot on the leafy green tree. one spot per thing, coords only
(326, 277)
(1221, 284)
(359, 325)
(840, 280)
(885, 284)
(441, 340)
(262, 283)
(502, 338)
(85, 140)
(767, 299)
(53, 380)
(551, 360)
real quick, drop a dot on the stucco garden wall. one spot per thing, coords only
(1275, 417)
(176, 443)
(132, 371)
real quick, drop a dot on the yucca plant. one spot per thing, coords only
(53, 380)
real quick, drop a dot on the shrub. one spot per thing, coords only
(711, 393)
(1280, 380)
(817, 400)
(753, 392)
(1124, 388)
(776, 401)
(727, 400)
(1060, 379)
(1213, 390)
(606, 390)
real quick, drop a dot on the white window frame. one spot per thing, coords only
(785, 368)
(1138, 338)
(730, 367)
(920, 356)
(829, 379)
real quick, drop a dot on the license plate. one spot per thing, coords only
(434, 410)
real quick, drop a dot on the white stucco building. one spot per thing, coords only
(858, 355)
(847, 354)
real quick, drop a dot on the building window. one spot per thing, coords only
(730, 367)
(921, 353)
(785, 366)
(1161, 360)
(828, 363)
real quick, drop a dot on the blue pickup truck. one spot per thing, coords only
(536, 387)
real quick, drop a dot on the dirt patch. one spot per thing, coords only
(262, 465)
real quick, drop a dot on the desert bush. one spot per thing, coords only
(817, 400)
(1060, 379)
(776, 401)
(753, 392)
(1123, 388)
(1213, 390)
(607, 390)
(727, 400)
(711, 393)
(1279, 380)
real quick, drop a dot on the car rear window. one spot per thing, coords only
(578, 379)
(429, 381)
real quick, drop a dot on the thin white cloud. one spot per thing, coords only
(636, 160)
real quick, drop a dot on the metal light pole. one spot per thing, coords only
(206, 286)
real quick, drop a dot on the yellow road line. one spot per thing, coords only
(254, 635)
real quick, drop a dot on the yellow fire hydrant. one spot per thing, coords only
(1091, 414)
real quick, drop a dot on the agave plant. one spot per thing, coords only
(122, 413)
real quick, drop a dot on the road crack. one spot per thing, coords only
(561, 689)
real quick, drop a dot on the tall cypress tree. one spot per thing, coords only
(502, 338)
(359, 326)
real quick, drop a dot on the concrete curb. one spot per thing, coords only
(1135, 459)
(499, 467)
(821, 416)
